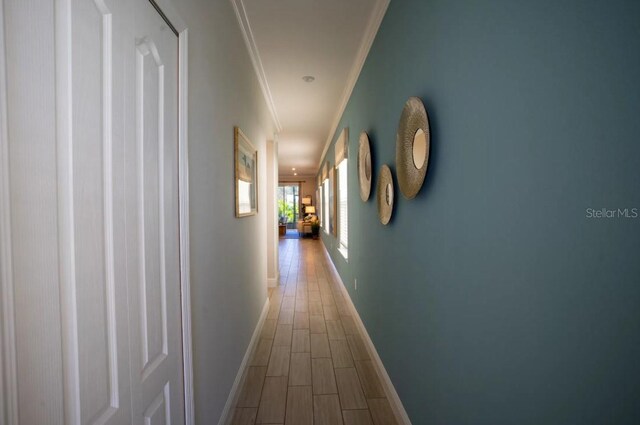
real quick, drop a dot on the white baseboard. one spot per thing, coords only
(272, 282)
(394, 400)
(227, 412)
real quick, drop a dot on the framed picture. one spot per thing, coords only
(246, 160)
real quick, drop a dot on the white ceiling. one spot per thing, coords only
(288, 39)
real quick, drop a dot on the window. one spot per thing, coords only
(320, 206)
(325, 205)
(288, 204)
(343, 215)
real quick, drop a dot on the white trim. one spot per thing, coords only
(107, 171)
(367, 40)
(272, 282)
(247, 33)
(389, 389)
(66, 238)
(183, 189)
(8, 365)
(227, 412)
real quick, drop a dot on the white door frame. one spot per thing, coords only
(8, 366)
(183, 189)
(8, 381)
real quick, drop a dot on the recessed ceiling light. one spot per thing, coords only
(295, 174)
(308, 78)
(293, 169)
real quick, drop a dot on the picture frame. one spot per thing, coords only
(246, 175)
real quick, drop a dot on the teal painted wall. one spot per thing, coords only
(491, 297)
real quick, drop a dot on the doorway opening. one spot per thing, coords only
(288, 208)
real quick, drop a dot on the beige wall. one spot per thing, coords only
(228, 255)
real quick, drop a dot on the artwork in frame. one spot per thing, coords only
(246, 175)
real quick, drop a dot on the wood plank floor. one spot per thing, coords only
(311, 365)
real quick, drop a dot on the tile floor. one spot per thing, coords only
(310, 365)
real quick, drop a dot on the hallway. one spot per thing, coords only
(311, 365)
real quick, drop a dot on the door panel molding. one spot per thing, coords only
(156, 408)
(74, 395)
(66, 236)
(92, 52)
(147, 49)
(142, 51)
(8, 364)
(107, 166)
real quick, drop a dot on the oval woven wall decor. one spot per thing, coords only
(413, 118)
(364, 166)
(385, 194)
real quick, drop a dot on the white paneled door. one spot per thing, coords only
(89, 258)
(152, 220)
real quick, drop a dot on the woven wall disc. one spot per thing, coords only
(364, 166)
(412, 159)
(385, 194)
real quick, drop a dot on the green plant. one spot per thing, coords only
(285, 210)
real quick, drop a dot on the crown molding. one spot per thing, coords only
(367, 40)
(243, 20)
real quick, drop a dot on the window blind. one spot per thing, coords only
(325, 205)
(342, 145)
(343, 217)
(319, 211)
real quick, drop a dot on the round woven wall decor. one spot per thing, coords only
(364, 166)
(385, 194)
(413, 127)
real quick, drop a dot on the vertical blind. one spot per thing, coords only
(343, 231)
(341, 151)
(325, 205)
(319, 199)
